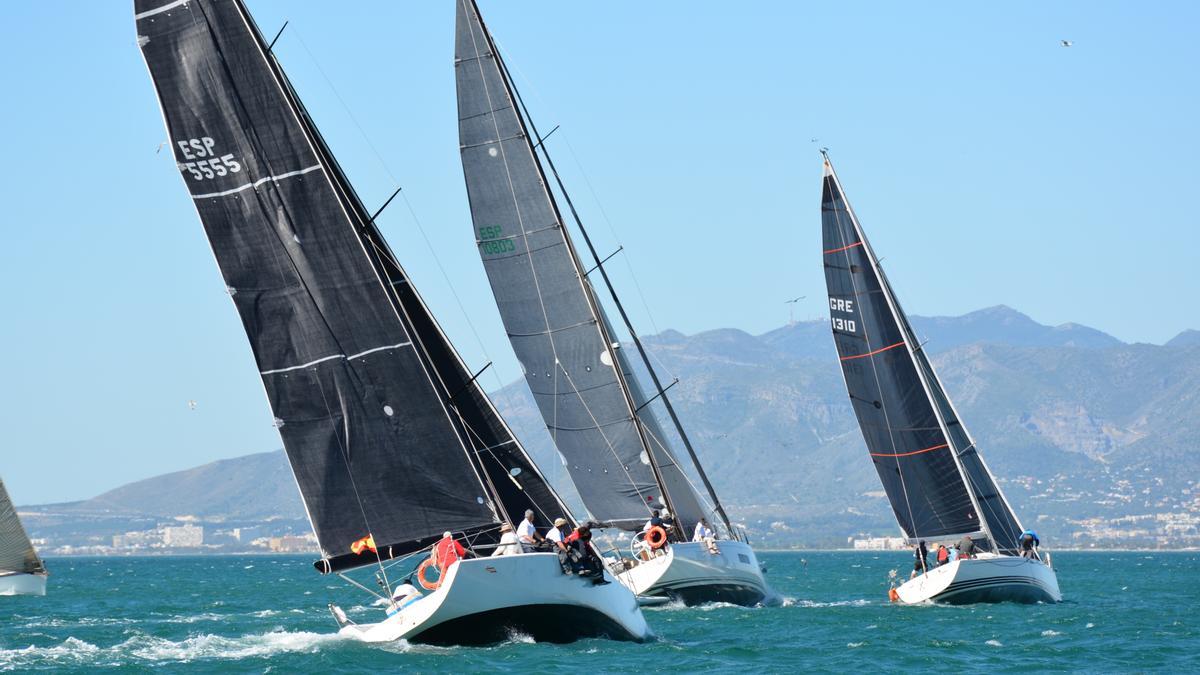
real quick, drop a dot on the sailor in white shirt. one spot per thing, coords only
(527, 534)
(704, 533)
(508, 542)
(556, 535)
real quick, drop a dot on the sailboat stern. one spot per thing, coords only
(693, 574)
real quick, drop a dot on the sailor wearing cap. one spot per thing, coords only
(556, 534)
(508, 542)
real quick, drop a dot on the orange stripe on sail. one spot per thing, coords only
(908, 454)
(837, 250)
(881, 349)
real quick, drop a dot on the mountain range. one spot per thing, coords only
(1093, 440)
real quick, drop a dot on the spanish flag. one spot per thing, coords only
(367, 542)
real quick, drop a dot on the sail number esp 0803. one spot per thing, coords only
(205, 163)
(842, 323)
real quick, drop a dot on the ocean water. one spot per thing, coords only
(1123, 612)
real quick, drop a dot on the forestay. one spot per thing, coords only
(386, 432)
(911, 430)
(16, 551)
(576, 370)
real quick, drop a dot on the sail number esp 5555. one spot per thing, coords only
(203, 161)
(840, 322)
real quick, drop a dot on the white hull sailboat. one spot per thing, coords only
(19, 583)
(488, 600)
(392, 441)
(585, 386)
(939, 487)
(987, 577)
(22, 571)
(695, 573)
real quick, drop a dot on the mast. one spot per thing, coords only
(909, 340)
(612, 291)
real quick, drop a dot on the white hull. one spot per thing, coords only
(19, 583)
(487, 600)
(689, 572)
(986, 578)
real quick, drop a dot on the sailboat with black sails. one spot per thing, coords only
(22, 571)
(615, 450)
(937, 483)
(391, 440)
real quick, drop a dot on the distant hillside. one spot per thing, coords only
(1187, 338)
(258, 486)
(1076, 424)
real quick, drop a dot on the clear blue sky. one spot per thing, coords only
(989, 164)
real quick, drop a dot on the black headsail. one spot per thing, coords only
(16, 551)
(933, 475)
(387, 433)
(616, 453)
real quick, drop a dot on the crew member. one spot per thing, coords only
(966, 547)
(943, 555)
(527, 534)
(920, 553)
(584, 560)
(556, 536)
(1029, 542)
(703, 531)
(447, 552)
(508, 542)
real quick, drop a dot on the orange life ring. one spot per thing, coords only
(893, 595)
(656, 537)
(424, 567)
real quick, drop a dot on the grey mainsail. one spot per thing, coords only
(930, 468)
(387, 433)
(618, 456)
(16, 551)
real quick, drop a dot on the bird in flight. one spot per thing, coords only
(191, 405)
(1066, 43)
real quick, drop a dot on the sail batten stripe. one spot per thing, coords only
(909, 454)
(258, 182)
(844, 248)
(160, 10)
(335, 356)
(863, 356)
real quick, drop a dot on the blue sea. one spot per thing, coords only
(1123, 612)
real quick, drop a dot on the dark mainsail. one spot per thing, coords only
(386, 431)
(579, 376)
(16, 551)
(933, 475)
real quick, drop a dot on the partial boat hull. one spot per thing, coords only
(19, 583)
(986, 578)
(488, 600)
(689, 572)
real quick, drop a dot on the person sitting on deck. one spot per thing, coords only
(943, 555)
(655, 519)
(704, 533)
(527, 534)
(1029, 542)
(583, 559)
(447, 552)
(508, 542)
(920, 553)
(404, 595)
(556, 536)
(966, 547)
(953, 555)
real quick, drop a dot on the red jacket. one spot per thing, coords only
(447, 552)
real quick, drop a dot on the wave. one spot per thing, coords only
(793, 602)
(994, 643)
(149, 649)
(1050, 633)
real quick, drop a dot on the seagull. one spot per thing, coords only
(792, 308)
(1066, 43)
(160, 147)
(191, 405)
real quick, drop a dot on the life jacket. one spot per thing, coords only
(943, 556)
